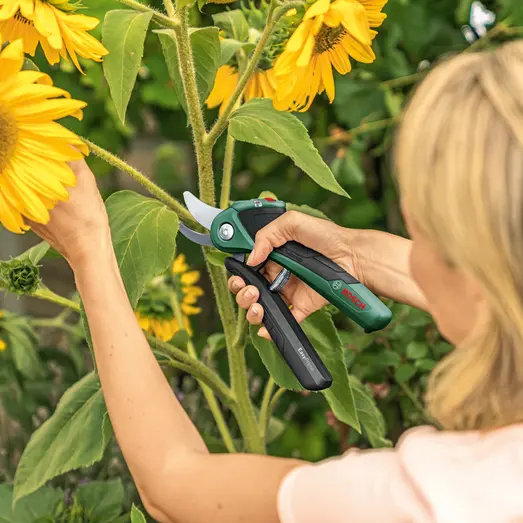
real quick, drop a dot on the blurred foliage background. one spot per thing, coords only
(355, 136)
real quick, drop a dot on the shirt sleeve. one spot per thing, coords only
(360, 487)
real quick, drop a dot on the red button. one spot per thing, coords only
(270, 199)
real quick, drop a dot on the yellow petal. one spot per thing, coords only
(318, 8)
(190, 278)
(11, 60)
(327, 77)
(305, 55)
(190, 310)
(179, 264)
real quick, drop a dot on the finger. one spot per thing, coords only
(299, 314)
(292, 225)
(247, 297)
(236, 284)
(264, 333)
(255, 314)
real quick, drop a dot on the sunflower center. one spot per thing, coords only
(8, 136)
(327, 38)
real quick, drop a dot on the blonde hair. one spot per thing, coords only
(460, 164)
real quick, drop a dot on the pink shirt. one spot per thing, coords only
(431, 477)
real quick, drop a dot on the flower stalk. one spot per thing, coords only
(151, 187)
(165, 21)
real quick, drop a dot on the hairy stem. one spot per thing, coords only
(190, 87)
(55, 323)
(265, 414)
(158, 17)
(273, 17)
(194, 367)
(151, 187)
(347, 136)
(169, 7)
(43, 293)
(207, 391)
(227, 172)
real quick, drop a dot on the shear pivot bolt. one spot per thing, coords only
(226, 231)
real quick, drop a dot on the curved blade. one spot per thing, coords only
(203, 213)
(196, 237)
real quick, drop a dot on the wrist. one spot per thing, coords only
(96, 252)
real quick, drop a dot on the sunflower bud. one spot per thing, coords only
(19, 276)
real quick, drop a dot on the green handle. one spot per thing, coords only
(323, 275)
(336, 285)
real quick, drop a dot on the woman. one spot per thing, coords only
(460, 165)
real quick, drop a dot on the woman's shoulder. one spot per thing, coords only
(469, 475)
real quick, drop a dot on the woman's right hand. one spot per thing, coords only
(323, 236)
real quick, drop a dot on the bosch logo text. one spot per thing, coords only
(354, 299)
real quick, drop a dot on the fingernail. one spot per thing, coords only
(251, 258)
(255, 310)
(235, 286)
(251, 293)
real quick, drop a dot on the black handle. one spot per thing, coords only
(285, 331)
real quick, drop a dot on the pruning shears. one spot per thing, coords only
(233, 231)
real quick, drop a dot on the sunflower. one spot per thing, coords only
(262, 84)
(155, 312)
(60, 33)
(34, 149)
(328, 34)
(3, 344)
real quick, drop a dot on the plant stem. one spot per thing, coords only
(207, 391)
(265, 413)
(55, 323)
(347, 136)
(158, 17)
(43, 293)
(169, 7)
(151, 187)
(240, 338)
(277, 395)
(403, 81)
(194, 367)
(273, 17)
(190, 87)
(227, 172)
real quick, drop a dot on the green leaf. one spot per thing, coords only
(442, 347)
(137, 516)
(416, 350)
(324, 337)
(404, 372)
(123, 34)
(233, 23)
(205, 44)
(35, 254)
(23, 349)
(259, 123)
(29, 65)
(306, 210)
(229, 47)
(75, 436)
(37, 506)
(144, 237)
(425, 364)
(101, 500)
(370, 416)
